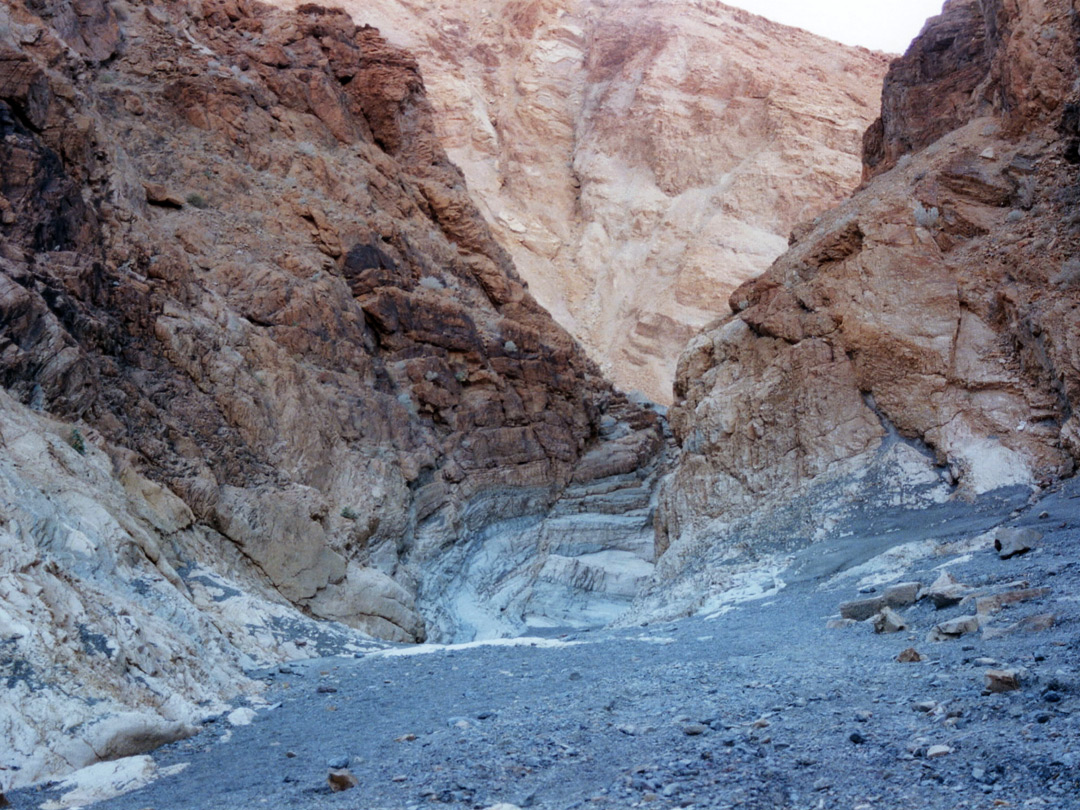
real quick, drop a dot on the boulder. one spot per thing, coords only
(889, 621)
(1002, 680)
(989, 605)
(954, 628)
(902, 594)
(862, 609)
(1030, 624)
(1010, 542)
(945, 591)
(341, 779)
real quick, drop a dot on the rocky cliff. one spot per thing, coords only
(263, 362)
(918, 342)
(640, 159)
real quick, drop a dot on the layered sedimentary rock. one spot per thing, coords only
(294, 369)
(934, 311)
(640, 159)
(123, 622)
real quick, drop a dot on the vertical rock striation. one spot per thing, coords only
(934, 311)
(639, 160)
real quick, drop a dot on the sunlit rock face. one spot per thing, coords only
(639, 160)
(936, 309)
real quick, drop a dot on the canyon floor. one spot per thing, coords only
(759, 704)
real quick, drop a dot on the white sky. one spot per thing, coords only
(884, 25)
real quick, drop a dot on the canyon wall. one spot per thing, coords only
(919, 341)
(263, 362)
(639, 160)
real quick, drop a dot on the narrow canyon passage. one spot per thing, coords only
(307, 498)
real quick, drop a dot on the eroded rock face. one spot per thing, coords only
(639, 160)
(237, 260)
(936, 308)
(123, 622)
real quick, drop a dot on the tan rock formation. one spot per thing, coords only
(937, 306)
(638, 159)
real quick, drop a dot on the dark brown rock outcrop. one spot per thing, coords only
(237, 251)
(979, 58)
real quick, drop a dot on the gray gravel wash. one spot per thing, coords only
(762, 707)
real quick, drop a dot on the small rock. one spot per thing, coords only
(863, 716)
(341, 779)
(910, 656)
(399, 778)
(339, 763)
(924, 706)
(1002, 680)
(290, 755)
(1043, 515)
(857, 738)
(945, 591)
(935, 751)
(889, 621)
(1009, 542)
(822, 784)
(694, 729)
(326, 689)
(986, 662)
(954, 628)
(1050, 696)
(405, 738)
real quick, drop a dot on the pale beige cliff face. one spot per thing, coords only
(638, 159)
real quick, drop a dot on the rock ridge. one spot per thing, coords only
(918, 337)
